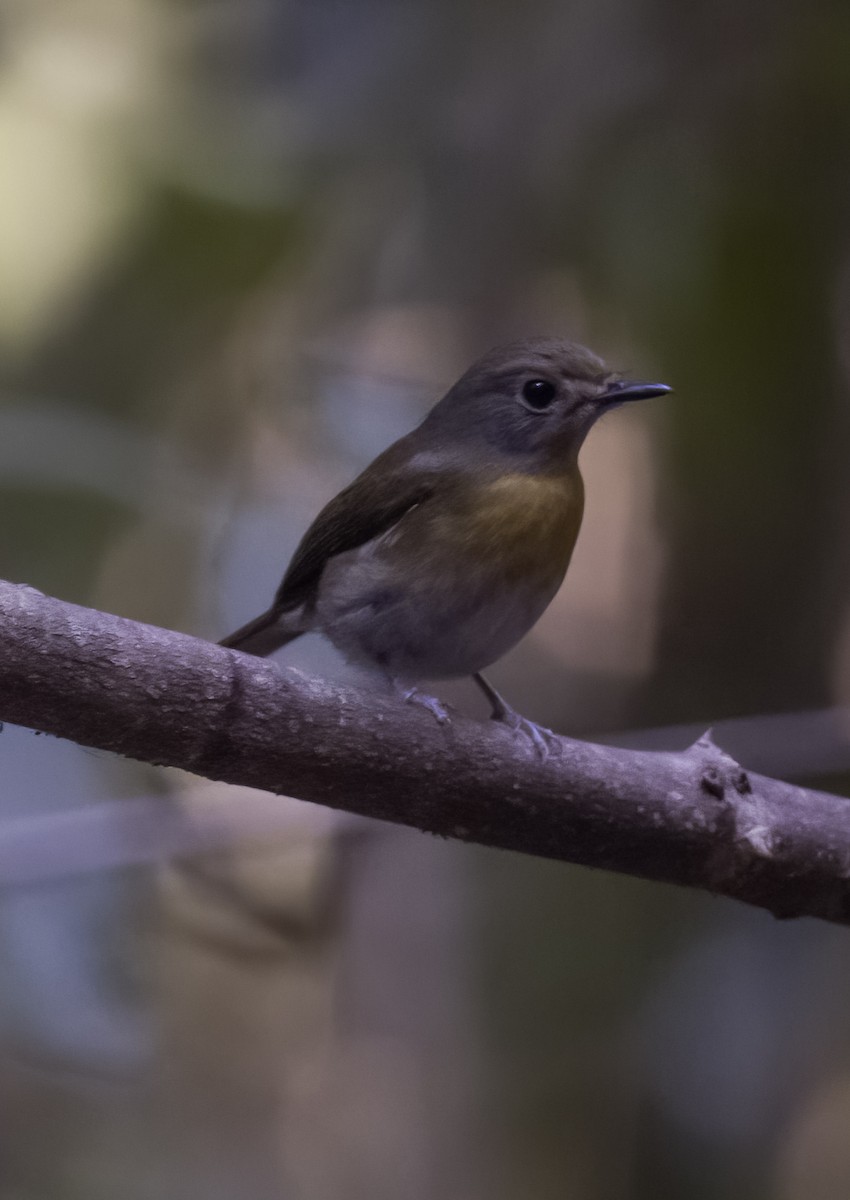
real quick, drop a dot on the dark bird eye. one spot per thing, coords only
(538, 393)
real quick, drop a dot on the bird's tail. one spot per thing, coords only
(265, 634)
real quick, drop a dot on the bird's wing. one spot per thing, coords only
(368, 507)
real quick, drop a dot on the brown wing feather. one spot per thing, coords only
(368, 507)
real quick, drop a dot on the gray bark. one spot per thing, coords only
(695, 818)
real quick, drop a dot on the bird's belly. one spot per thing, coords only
(425, 633)
(437, 598)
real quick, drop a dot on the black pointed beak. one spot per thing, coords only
(624, 389)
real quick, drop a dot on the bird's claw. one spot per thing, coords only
(543, 739)
(435, 708)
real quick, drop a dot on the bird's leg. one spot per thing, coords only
(542, 737)
(412, 695)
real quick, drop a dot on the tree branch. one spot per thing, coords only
(694, 818)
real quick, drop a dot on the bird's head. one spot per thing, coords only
(533, 399)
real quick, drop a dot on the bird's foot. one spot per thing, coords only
(435, 708)
(544, 739)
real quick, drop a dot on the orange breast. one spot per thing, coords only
(527, 526)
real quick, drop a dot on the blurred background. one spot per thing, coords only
(244, 244)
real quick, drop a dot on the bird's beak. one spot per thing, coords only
(624, 389)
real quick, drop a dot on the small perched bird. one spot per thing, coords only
(444, 552)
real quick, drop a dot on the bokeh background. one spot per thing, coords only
(244, 244)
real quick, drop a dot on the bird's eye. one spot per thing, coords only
(538, 394)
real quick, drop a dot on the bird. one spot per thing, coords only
(444, 552)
